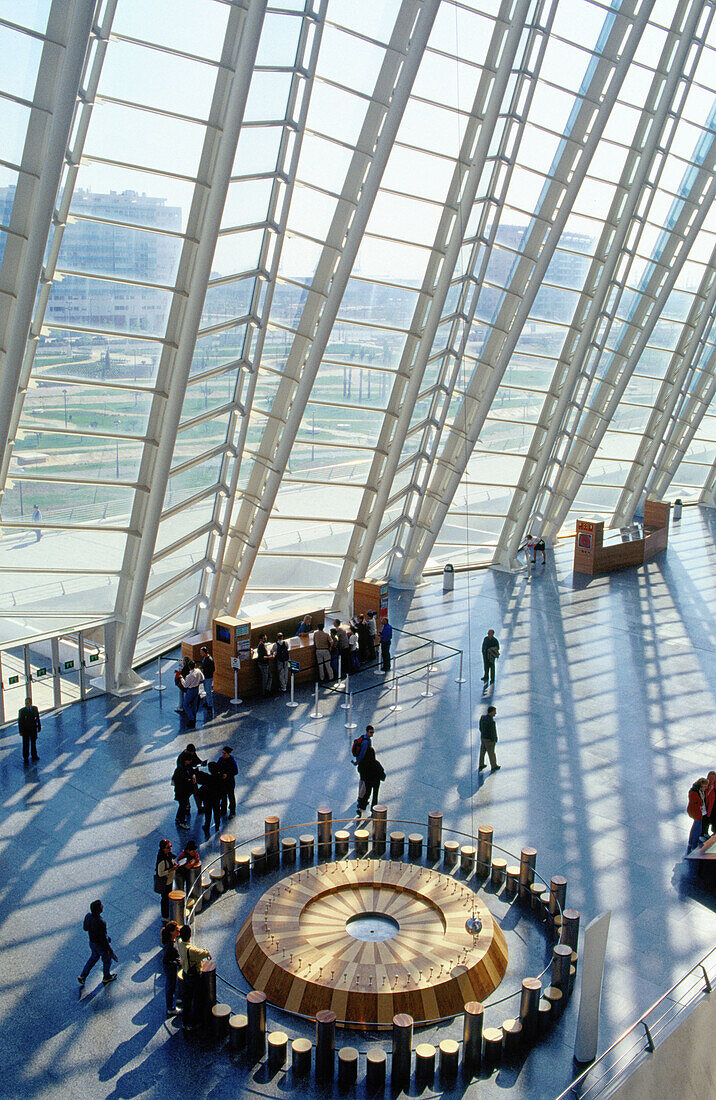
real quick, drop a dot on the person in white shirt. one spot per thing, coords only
(190, 683)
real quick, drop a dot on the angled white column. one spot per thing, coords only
(289, 151)
(678, 55)
(62, 60)
(440, 271)
(394, 83)
(687, 419)
(224, 124)
(708, 493)
(678, 241)
(676, 382)
(597, 101)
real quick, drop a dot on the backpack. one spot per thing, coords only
(355, 747)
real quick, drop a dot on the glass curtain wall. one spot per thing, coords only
(464, 287)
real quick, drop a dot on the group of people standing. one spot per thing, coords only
(213, 790)
(701, 809)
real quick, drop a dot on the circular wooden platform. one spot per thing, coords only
(300, 945)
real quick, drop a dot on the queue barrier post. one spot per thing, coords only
(345, 706)
(292, 702)
(159, 685)
(395, 705)
(236, 701)
(460, 678)
(427, 694)
(350, 724)
(432, 667)
(315, 713)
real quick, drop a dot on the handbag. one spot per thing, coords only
(159, 883)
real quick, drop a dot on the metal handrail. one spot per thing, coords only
(342, 821)
(646, 1042)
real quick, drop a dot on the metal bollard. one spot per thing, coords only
(256, 1013)
(345, 706)
(452, 849)
(380, 828)
(288, 850)
(449, 1054)
(177, 902)
(324, 831)
(315, 713)
(472, 1023)
(415, 846)
(277, 1047)
(397, 845)
(305, 848)
(375, 1061)
(570, 928)
(347, 1067)
(325, 1044)
(484, 849)
(292, 702)
(467, 859)
(557, 894)
(361, 839)
(529, 1007)
(272, 840)
(258, 861)
(159, 685)
(227, 843)
(435, 835)
(243, 868)
(528, 862)
(238, 1032)
(402, 1049)
(460, 678)
(301, 1057)
(342, 839)
(207, 990)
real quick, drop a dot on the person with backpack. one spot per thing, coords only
(282, 661)
(370, 770)
(29, 725)
(99, 941)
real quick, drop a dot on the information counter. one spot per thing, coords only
(595, 552)
(235, 640)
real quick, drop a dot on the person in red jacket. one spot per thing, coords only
(696, 810)
(710, 800)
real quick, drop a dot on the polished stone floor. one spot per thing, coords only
(605, 698)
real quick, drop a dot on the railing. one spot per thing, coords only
(643, 1033)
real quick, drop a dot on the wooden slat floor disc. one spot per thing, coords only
(299, 944)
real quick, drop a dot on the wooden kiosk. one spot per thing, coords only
(236, 639)
(594, 553)
(371, 596)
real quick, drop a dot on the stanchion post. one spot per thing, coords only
(427, 694)
(395, 706)
(292, 702)
(344, 706)
(460, 678)
(236, 701)
(315, 712)
(159, 685)
(432, 667)
(350, 724)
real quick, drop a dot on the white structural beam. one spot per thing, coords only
(223, 127)
(688, 416)
(299, 99)
(440, 271)
(677, 63)
(677, 382)
(567, 174)
(695, 199)
(392, 89)
(708, 493)
(69, 26)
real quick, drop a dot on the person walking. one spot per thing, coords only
(228, 771)
(262, 658)
(100, 942)
(282, 660)
(29, 725)
(370, 771)
(386, 637)
(490, 653)
(696, 809)
(191, 957)
(488, 739)
(322, 642)
(208, 668)
(164, 875)
(170, 964)
(37, 519)
(191, 683)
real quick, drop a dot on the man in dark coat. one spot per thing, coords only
(29, 725)
(210, 784)
(490, 653)
(96, 929)
(370, 771)
(228, 770)
(488, 739)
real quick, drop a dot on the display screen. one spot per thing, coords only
(584, 540)
(223, 634)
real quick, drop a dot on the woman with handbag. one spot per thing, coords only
(696, 810)
(164, 875)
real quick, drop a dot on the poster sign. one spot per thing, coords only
(294, 666)
(235, 662)
(243, 642)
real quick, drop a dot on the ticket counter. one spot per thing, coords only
(237, 639)
(595, 552)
